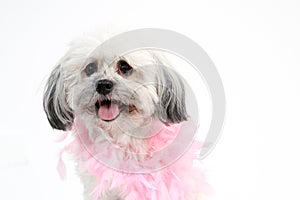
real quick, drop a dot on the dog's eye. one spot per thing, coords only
(90, 69)
(124, 67)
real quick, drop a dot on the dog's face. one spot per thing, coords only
(111, 92)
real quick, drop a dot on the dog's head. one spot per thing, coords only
(108, 91)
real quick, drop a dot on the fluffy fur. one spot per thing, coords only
(147, 100)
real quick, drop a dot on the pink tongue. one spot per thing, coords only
(108, 112)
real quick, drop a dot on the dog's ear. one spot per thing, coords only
(59, 114)
(171, 92)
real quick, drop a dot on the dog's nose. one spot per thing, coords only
(104, 86)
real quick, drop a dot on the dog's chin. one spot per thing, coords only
(109, 110)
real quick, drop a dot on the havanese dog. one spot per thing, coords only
(123, 112)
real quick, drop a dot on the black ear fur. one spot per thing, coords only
(172, 108)
(59, 114)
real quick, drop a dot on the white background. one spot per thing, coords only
(254, 44)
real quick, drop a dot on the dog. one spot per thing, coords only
(122, 109)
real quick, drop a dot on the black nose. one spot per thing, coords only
(104, 86)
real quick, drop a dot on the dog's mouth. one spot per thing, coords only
(109, 110)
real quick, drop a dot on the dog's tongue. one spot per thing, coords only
(108, 112)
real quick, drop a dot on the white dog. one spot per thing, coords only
(122, 109)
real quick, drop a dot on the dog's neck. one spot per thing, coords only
(138, 144)
(135, 140)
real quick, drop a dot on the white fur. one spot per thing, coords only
(152, 88)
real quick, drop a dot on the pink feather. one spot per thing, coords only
(179, 181)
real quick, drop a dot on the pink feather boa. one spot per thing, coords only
(182, 180)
